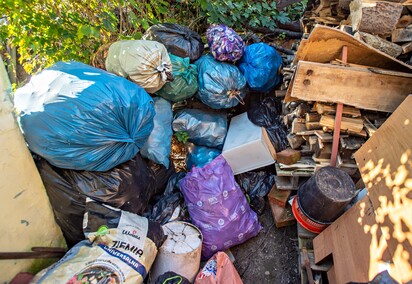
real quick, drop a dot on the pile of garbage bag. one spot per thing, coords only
(103, 142)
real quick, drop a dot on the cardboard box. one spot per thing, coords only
(247, 146)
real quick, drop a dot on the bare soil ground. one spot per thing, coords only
(270, 257)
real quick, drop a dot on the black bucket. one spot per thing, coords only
(324, 196)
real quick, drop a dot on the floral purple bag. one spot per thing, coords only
(218, 207)
(224, 43)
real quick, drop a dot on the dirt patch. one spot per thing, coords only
(271, 257)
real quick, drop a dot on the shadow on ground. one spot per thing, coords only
(271, 257)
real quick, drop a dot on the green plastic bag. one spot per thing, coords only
(184, 85)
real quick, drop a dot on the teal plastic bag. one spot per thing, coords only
(184, 85)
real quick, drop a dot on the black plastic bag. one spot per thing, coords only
(179, 40)
(129, 186)
(267, 114)
(256, 185)
(171, 278)
(170, 202)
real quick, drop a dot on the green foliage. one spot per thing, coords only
(46, 31)
(182, 136)
(296, 10)
(244, 13)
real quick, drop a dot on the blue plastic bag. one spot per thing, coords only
(260, 64)
(157, 146)
(221, 85)
(83, 118)
(198, 156)
(203, 127)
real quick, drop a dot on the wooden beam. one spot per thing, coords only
(353, 86)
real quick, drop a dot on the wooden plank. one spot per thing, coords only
(324, 44)
(385, 162)
(350, 241)
(347, 124)
(363, 92)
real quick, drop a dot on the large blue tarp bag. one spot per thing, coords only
(157, 146)
(260, 64)
(221, 85)
(83, 118)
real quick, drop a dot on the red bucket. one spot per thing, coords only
(305, 221)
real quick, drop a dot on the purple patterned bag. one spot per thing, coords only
(224, 43)
(218, 207)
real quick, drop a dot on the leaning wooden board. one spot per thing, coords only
(324, 45)
(355, 86)
(376, 233)
(385, 162)
(350, 242)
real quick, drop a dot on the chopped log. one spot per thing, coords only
(294, 140)
(302, 109)
(407, 47)
(313, 125)
(298, 125)
(348, 124)
(379, 43)
(379, 18)
(313, 140)
(404, 21)
(402, 35)
(331, 109)
(312, 117)
(324, 137)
